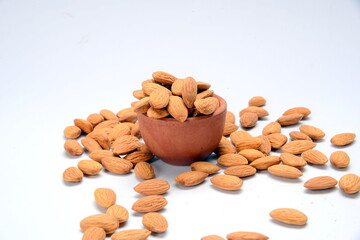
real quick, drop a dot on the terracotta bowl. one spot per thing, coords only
(182, 143)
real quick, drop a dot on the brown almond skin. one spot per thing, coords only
(94, 233)
(107, 222)
(290, 119)
(159, 99)
(90, 144)
(240, 171)
(296, 135)
(257, 101)
(227, 182)
(190, 178)
(117, 165)
(177, 108)
(164, 77)
(105, 197)
(289, 215)
(273, 127)
(108, 115)
(251, 154)
(72, 132)
(265, 162)
(320, 183)
(261, 112)
(152, 187)
(73, 147)
(292, 160)
(277, 140)
(95, 119)
(119, 212)
(285, 171)
(298, 146)
(155, 222)
(89, 167)
(150, 203)
(232, 159)
(139, 156)
(189, 91)
(314, 157)
(73, 174)
(212, 237)
(343, 139)
(340, 159)
(144, 170)
(98, 155)
(84, 125)
(230, 117)
(139, 94)
(350, 183)
(132, 234)
(207, 106)
(205, 167)
(313, 132)
(248, 143)
(265, 146)
(302, 110)
(248, 119)
(229, 128)
(246, 236)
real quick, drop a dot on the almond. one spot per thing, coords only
(265, 162)
(142, 105)
(95, 119)
(301, 110)
(73, 147)
(285, 171)
(232, 159)
(212, 237)
(227, 182)
(319, 183)
(207, 106)
(89, 167)
(106, 124)
(277, 140)
(144, 170)
(118, 131)
(73, 174)
(125, 144)
(224, 148)
(117, 165)
(205, 167)
(203, 85)
(292, 160)
(236, 137)
(90, 144)
(155, 222)
(159, 99)
(298, 146)
(139, 94)
(149, 87)
(246, 236)
(105, 197)
(251, 154)
(150, 203)
(107, 222)
(190, 178)
(229, 128)
(273, 127)
(127, 115)
(177, 108)
(230, 117)
(84, 125)
(119, 212)
(157, 113)
(72, 132)
(289, 215)
(257, 101)
(340, 159)
(248, 119)
(313, 132)
(98, 155)
(296, 135)
(290, 119)
(108, 115)
(139, 156)
(163, 77)
(240, 171)
(132, 234)
(176, 87)
(314, 157)
(261, 112)
(101, 137)
(343, 139)
(350, 183)
(189, 91)
(152, 187)
(265, 146)
(248, 143)
(205, 94)
(94, 233)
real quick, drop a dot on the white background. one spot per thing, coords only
(61, 60)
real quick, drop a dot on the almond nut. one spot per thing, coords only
(150, 203)
(340, 159)
(289, 215)
(350, 183)
(190, 178)
(152, 187)
(107, 222)
(227, 182)
(320, 183)
(343, 139)
(155, 222)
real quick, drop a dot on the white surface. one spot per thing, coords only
(60, 60)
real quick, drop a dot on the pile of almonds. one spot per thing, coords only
(113, 142)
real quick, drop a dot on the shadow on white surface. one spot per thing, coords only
(235, 192)
(288, 225)
(287, 180)
(319, 192)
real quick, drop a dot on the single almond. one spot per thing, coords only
(205, 167)
(73, 147)
(273, 127)
(257, 101)
(290, 119)
(144, 170)
(277, 140)
(248, 143)
(84, 125)
(350, 183)
(229, 128)
(177, 108)
(296, 135)
(224, 148)
(95, 119)
(298, 146)
(108, 115)
(205, 94)
(150, 203)
(265, 162)
(90, 144)
(189, 91)
(232, 159)
(343, 139)
(314, 157)
(149, 87)
(127, 115)
(289, 215)
(207, 106)
(155, 222)
(176, 87)
(301, 110)
(125, 144)
(159, 99)
(227, 182)
(152, 187)
(132, 234)
(135, 130)
(106, 124)
(251, 154)
(236, 137)
(230, 117)
(118, 131)
(313, 132)
(240, 171)
(73, 174)
(285, 171)
(89, 167)
(119, 212)
(105, 197)
(320, 183)
(142, 105)
(201, 86)
(261, 112)
(98, 155)
(139, 94)
(150, 80)
(292, 160)
(102, 138)
(94, 233)
(190, 178)
(212, 237)
(163, 77)
(246, 236)
(105, 221)
(139, 156)
(157, 113)
(72, 132)
(248, 119)
(265, 146)
(340, 159)
(117, 165)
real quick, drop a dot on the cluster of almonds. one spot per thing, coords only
(167, 96)
(97, 226)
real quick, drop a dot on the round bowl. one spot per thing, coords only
(182, 143)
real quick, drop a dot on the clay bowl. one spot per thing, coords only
(182, 143)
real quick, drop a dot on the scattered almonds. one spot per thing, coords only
(320, 183)
(343, 139)
(289, 215)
